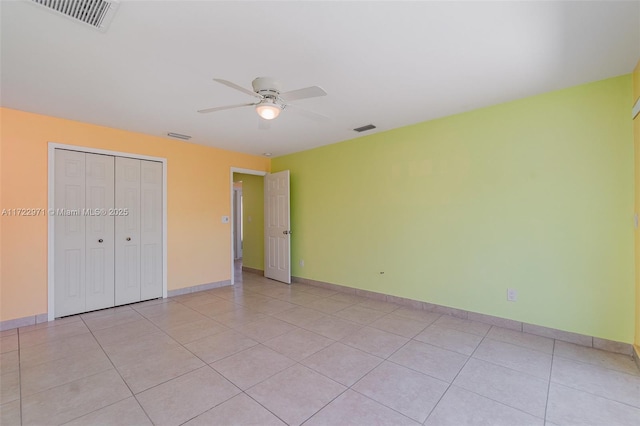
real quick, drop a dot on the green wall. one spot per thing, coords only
(252, 220)
(535, 194)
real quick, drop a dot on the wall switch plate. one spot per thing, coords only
(225, 219)
(512, 294)
(301, 262)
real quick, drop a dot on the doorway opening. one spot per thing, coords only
(247, 224)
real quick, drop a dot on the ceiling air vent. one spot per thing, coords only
(97, 13)
(364, 128)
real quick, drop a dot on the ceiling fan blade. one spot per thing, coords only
(222, 108)
(239, 88)
(309, 114)
(307, 92)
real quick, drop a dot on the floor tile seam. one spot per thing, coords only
(207, 363)
(449, 384)
(287, 321)
(142, 407)
(260, 404)
(297, 329)
(246, 349)
(390, 408)
(637, 407)
(458, 330)
(442, 347)
(118, 342)
(396, 334)
(367, 352)
(102, 370)
(504, 404)
(433, 324)
(519, 345)
(387, 359)
(259, 382)
(515, 345)
(577, 361)
(58, 358)
(106, 406)
(133, 394)
(272, 337)
(116, 325)
(532, 376)
(114, 367)
(56, 338)
(71, 382)
(41, 328)
(325, 405)
(348, 386)
(546, 403)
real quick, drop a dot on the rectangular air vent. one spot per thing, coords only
(179, 136)
(97, 13)
(364, 128)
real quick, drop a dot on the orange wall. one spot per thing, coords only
(636, 139)
(198, 185)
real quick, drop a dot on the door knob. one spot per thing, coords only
(287, 232)
(128, 238)
(100, 240)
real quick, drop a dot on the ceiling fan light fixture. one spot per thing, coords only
(268, 110)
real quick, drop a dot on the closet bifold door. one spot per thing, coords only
(151, 229)
(69, 244)
(127, 230)
(99, 229)
(83, 253)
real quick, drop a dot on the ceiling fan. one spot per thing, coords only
(270, 100)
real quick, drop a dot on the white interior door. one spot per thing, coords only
(151, 229)
(277, 232)
(99, 225)
(69, 262)
(127, 231)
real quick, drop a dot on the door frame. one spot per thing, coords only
(52, 146)
(232, 247)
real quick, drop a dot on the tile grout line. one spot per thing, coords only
(119, 374)
(553, 357)
(456, 376)
(390, 361)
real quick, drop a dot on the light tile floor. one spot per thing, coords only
(265, 353)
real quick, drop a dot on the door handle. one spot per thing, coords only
(128, 238)
(287, 232)
(100, 240)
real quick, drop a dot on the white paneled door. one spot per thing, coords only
(150, 230)
(99, 240)
(127, 230)
(277, 227)
(69, 231)
(107, 231)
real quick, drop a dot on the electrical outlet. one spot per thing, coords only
(512, 294)
(301, 262)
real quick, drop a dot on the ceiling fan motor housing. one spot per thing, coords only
(266, 86)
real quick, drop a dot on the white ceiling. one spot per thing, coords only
(388, 63)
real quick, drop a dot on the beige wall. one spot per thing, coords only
(197, 196)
